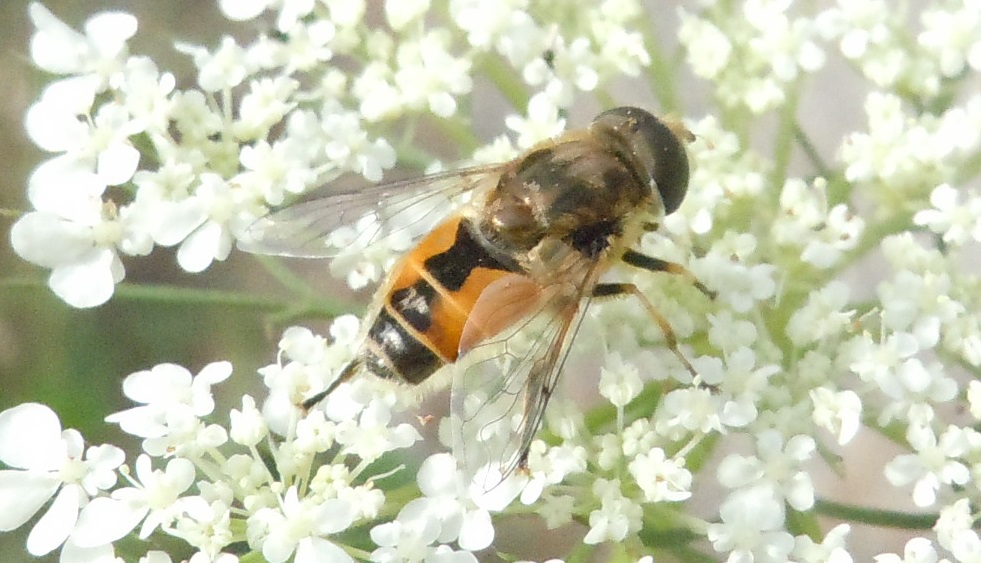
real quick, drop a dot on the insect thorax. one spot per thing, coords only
(574, 191)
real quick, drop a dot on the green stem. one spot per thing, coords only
(799, 523)
(507, 80)
(786, 133)
(285, 276)
(317, 306)
(875, 516)
(661, 76)
(459, 133)
(818, 162)
(168, 294)
(969, 170)
(604, 98)
(414, 158)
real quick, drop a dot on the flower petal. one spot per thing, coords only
(49, 240)
(477, 531)
(30, 437)
(22, 494)
(105, 520)
(55, 47)
(74, 553)
(55, 526)
(314, 550)
(117, 163)
(87, 283)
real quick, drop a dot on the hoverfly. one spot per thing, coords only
(527, 251)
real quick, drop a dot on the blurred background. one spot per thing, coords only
(74, 360)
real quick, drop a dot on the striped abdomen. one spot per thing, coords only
(429, 301)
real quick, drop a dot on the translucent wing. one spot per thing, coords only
(500, 390)
(341, 220)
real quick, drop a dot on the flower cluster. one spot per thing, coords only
(841, 299)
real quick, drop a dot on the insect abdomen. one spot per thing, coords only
(429, 301)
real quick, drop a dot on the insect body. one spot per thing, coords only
(528, 250)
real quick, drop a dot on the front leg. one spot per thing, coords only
(651, 264)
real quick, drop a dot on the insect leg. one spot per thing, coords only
(346, 374)
(620, 289)
(638, 260)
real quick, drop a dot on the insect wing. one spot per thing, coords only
(500, 390)
(340, 221)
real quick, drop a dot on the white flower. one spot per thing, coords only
(739, 284)
(974, 398)
(206, 522)
(58, 49)
(225, 68)
(772, 50)
(619, 381)
(708, 47)
(370, 435)
(574, 66)
(934, 464)
(264, 106)
(409, 540)
(147, 95)
(243, 10)
(314, 365)
(366, 500)
(72, 552)
(447, 503)
(824, 315)
(346, 13)
(101, 146)
(402, 12)
(728, 333)
(751, 527)
(661, 478)
(543, 121)
(917, 550)
(47, 463)
(950, 34)
(954, 220)
(837, 412)
(55, 122)
(274, 170)
(488, 21)
(955, 531)
(616, 517)
(742, 378)
(154, 500)
(349, 148)
(164, 390)
(308, 44)
(839, 233)
(247, 426)
(222, 215)
(301, 526)
(691, 409)
(75, 234)
(777, 465)
(620, 48)
(831, 550)
(426, 74)
(547, 466)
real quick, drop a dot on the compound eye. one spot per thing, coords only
(655, 146)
